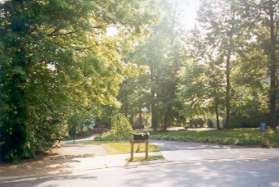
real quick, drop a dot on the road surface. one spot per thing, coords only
(186, 164)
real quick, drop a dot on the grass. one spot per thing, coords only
(109, 136)
(123, 147)
(244, 136)
(150, 158)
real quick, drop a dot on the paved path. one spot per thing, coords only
(186, 164)
(185, 151)
(79, 140)
(243, 173)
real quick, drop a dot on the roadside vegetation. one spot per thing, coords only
(245, 137)
(121, 147)
(68, 67)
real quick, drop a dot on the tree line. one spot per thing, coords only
(59, 67)
(222, 72)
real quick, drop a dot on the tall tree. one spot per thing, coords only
(163, 59)
(220, 27)
(263, 20)
(55, 58)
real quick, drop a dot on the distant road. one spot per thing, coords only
(79, 140)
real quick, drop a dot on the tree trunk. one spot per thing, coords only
(228, 89)
(141, 120)
(154, 121)
(228, 72)
(217, 113)
(97, 123)
(132, 121)
(166, 121)
(272, 68)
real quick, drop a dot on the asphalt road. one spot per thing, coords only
(205, 173)
(186, 164)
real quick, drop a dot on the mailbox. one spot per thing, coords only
(263, 127)
(139, 137)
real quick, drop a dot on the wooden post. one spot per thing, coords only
(146, 149)
(132, 150)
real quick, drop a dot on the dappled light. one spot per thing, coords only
(139, 93)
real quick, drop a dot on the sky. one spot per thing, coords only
(186, 18)
(188, 13)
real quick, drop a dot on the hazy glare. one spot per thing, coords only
(187, 12)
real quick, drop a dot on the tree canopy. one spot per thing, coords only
(62, 67)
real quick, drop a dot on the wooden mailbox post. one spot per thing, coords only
(139, 137)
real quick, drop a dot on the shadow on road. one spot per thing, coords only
(210, 173)
(205, 173)
(176, 145)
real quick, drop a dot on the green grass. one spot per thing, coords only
(150, 158)
(123, 147)
(109, 136)
(244, 136)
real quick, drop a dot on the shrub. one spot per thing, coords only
(243, 136)
(196, 122)
(120, 126)
(121, 129)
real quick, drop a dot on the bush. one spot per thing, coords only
(120, 126)
(197, 122)
(243, 136)
(121, 129)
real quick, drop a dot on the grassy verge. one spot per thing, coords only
(123, 147)
(248, 137)
(108, 136)
(150, 158)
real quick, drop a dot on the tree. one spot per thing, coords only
(264, 18)
(162, 57)
(218, 30)
(55, 57)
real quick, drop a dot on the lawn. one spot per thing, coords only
(123, 147)
(244, 136)
(150, 158)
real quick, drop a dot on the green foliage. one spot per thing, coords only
(120, 126)
(109, 136)
(59, 66)
(227, 72)
(56, 60)
(246, 137)
(121, 129)
(80, 124)
(196, 122)
(154, 91)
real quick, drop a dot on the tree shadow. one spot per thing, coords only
(46, 166)
(208, 173)
(178, 145)
(46, 181)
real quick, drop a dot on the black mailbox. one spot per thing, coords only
(140, 137)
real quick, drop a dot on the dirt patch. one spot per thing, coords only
(81, 149)
(56, 161)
